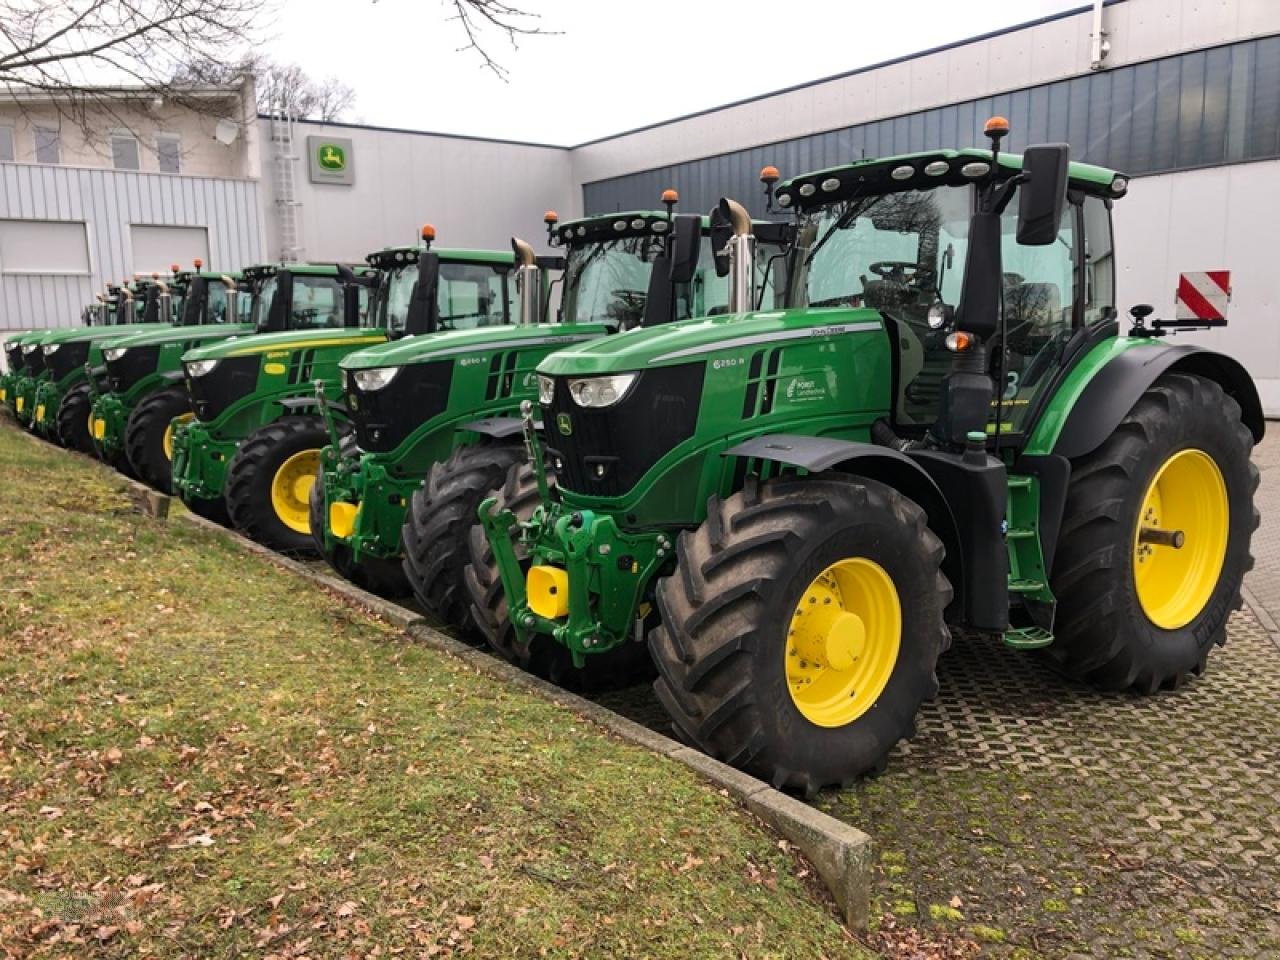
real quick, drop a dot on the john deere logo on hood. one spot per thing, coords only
(332, 157)
(564, 424)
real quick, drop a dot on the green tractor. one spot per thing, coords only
(255, 443)
(62, 396)
(13, 371)
(139, 392)
(444, 406)
(792, 509)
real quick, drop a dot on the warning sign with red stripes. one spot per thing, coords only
(1203, 297)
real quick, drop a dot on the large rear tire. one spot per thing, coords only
(1132, 613)
(801, 629)
(73, 420)
(438, 524)
(148, 436)
(543, 657)
(269, 483)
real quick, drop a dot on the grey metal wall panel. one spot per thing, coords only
(108, 202)
(1183, 112)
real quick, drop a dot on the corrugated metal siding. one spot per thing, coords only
(1179, 113)
(108, 202)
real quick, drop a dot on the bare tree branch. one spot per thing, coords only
(282, 88)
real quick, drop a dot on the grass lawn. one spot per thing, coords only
(201, 755)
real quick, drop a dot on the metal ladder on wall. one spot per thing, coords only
(287, 203)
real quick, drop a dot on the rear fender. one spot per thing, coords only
(1117, 387)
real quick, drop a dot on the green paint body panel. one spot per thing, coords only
(800, 396)
(114, 408)
(381, 483)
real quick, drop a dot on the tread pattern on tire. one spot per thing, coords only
(144, 432)
(72, 421)
(438, 524)
(1094, 632)
(251, 513)
(713, 607)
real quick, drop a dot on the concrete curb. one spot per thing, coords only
(1258, 610)
(841, 854)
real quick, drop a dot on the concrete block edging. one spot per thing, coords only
(841, 854)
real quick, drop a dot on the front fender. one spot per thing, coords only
(1118, 385)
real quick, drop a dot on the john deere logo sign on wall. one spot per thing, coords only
(330, 160)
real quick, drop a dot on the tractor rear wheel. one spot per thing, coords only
(801, 629)
(269, 482)
(383, 577)
(73, 420)
(1155, 540)
(148, 436)
(438, 523)
(543, 657)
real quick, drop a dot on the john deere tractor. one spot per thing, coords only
(62, 397)
(256, 440)
(946, 429)
(444, 406)
(139, 391)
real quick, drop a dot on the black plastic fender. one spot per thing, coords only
(172, 376)
(1114, 390)
(887, 466)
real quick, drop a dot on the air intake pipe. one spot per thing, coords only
(528, 282)
(742, 256)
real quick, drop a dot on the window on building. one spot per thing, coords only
(6, 143)
(48, 145)
(44, 247)
(169, 152)
(124, 151)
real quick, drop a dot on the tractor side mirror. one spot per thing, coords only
(193, 303)
(424, 307)
(686, 246)
(1043, 194)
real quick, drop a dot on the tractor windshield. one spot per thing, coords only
(901, 252)
(468, 295)
(317, 303)
(609, 282)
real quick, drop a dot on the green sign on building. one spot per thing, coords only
(330, 160)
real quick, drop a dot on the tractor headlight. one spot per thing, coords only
(939, 315)
(29, 348)
(115, 353)
(546, 389)
(601, 391)
(375, 379)
(51, 348)
(198, 368)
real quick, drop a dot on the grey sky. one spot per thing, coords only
(613, 65)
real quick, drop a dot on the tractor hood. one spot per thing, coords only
(78, 334)
(153, 337)
(703, 337)
(428, 347)
(286, 340)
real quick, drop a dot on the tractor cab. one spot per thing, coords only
(214, 297)
(309, 296)
(896, 235)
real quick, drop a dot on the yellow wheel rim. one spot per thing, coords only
(291, 490)
(1187, 496)
(167, 442)
(843, 642)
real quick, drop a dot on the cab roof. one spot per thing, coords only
(389, 257)
(263, 270)
(920, 171)
(637, 223)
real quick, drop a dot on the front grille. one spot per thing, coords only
(136, 363)
(384, 418)
(608, 450)
(68, 357)
(233, 378)
(13, 355)
(34, 362)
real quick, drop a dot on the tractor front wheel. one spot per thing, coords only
(1155, 540)
(801, 629)
(544, 657)
(269, 483)
(148, 436)
(441, 515)
(73, 420)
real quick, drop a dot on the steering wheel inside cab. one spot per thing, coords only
(896, 283)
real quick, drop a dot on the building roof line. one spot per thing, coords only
(419, 133)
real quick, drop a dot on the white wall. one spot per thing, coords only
(1215, 219)
(476, 193)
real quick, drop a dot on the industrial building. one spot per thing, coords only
(1183, 95)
